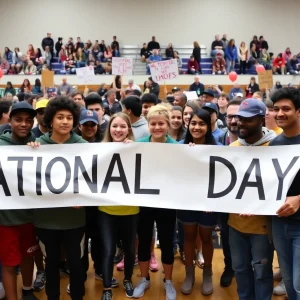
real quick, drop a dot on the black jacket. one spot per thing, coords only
(47, 42)
(197, 54)
(153, 45)
(58, 46)
(170, 52)
(145, 52)
(155, 89)
(198, 88)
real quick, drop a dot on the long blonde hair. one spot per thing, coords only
(124, 117)
(196, 45)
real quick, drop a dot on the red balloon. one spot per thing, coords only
(1, 73)
(260, 68)
(232, 76)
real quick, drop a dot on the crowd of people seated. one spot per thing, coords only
(127, 106)
(225, 55)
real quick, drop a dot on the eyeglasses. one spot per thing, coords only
(230, 117)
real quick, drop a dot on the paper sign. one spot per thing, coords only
(122, 66)
(47, 78)
(265, 79)
(191, 95)
(86, 74)
(164, 70)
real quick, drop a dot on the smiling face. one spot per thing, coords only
(145, 108)
(231, 121)
(187, 113)
(88, 130)
(285, 114)
(222, 102)
(249, 127)
(198, 129)
(21, 124)
(176, 119)
(119, 130)
(62, 123)
(158, 126)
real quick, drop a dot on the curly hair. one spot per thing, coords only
(61, 103)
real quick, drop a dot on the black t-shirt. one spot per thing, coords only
(216, 43)
(294, 189)
(222, 117)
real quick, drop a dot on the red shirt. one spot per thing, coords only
(278, 62)
(193, 65)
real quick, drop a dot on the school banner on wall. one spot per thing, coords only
(250, 180)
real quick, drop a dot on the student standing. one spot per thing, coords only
(199, 133)
(251, 250)
(64, 226)
(285, 226)
(16, 228)
(118, 221)
(159, 124)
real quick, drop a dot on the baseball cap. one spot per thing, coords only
(239, 95)
(41, 104)
(212, 106)
(175, 89)
(251, 107)
(88, 116)
(22, 106)
(209, 92)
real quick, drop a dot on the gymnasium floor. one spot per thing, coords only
(156, 292)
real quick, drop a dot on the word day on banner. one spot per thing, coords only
(122, 66)
(250, 180)
(85, 75)
(164, 70)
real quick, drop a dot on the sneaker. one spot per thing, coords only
(226, 278)
(153, 266)
(200, 260)
(114, 281)
(141, 287)
(182, 256)
(136, 262)
(277, 275)
(28, 295)
(118, 256)
(107, 295)
(288, 73)
(68, 289)
(128, 288)
(120, 265)
(279, 290)
(207, 285)
(296, 72)
(213, 73)
(2, 291)
(170, 290)
(187, 285)
(39, 282)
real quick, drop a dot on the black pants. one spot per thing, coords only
(243, 67)
(111, 227)
(165, 222)
(92, 232)
(73, 242)
(225, 239)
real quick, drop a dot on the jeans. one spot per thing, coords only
(117, 53)
(111, 227)
(214, 52)
(73, 242)
(80, 64)
(223, 217)
(148, 69)
(252, 257)
(165, 222)
(286, 238)
(229, 65)
(243, 64)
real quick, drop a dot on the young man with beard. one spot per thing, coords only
(18, 241)
(251, 250)
(286, 225)
(41, 128)
(230, 136)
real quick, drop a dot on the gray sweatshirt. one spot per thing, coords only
(140, 128)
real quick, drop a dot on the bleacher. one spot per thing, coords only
(133, 51)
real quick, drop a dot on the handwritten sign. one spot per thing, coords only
(191, 95)
(265, 79)
(164, 70)
(122, 66)
(47, 78)
(86, 74)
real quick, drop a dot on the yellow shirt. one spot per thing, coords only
(120, 210)
(253, 224)
(278, 130)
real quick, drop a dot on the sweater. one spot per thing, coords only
(193, 65)
(12, 217)
(231, 53)
(60, 218)
(140, 128)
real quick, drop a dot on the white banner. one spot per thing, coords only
(162, 71)
(85, 75)
(122, 66)
(251, 180)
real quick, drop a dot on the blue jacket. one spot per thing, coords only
(231, 53)
(9, 57)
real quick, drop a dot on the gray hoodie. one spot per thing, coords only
(267, 137)
(140, 128)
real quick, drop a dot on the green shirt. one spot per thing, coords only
(61, 218)
(147, 139)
